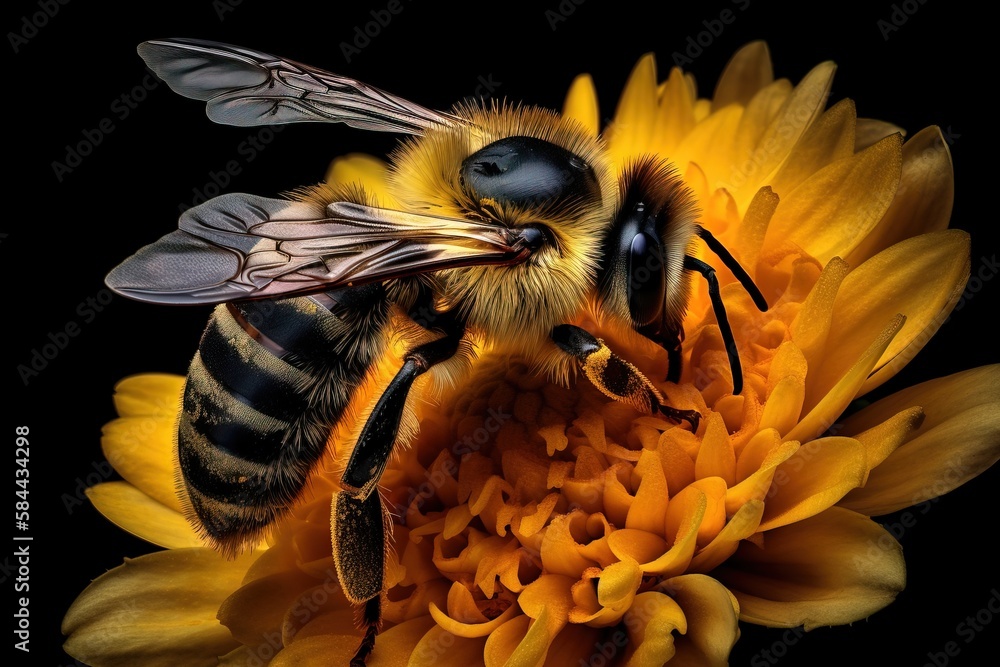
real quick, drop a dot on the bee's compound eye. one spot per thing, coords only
(527, 171)
(533, 237)
(645, 289)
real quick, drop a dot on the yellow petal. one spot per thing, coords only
(635, 117)
(896, 281)
(926, 303)
(799, 110)
(743, 524)
(754, 227)
(675, 116)
(132, 510)
(453, 621)
(437, 643)
(712, 616)
(149, 395)
(748, 71)
(651, 623)
(581, 104)
(825, 570)
(685, 514)
(959, 439)
(786, 389)
(757, 485)
(813, 479)
(830, 403)
(256, 610)
(811, 326)
(502, 643)
(870, 131)
(650, 506)
(141, 449)
(716, 457)
(923, 199)
(829, 139)
(827, 225)
(156, 610)
(547, 600)
(369, 171)
(393, 648)
(883, 439)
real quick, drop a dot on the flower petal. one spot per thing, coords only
(748, 71)
(926, 304)
(824, 570)
(581, 104)
(141, 449)
(815, 477)
(651, 623)
(133, 511)
(712, 615)
(156, 610)
(923, 199)
(635, 116)
(149, 395)
(364, 169)
(800, 109)
(827, 226)
(256, 610)
(830, 403)
(959, 439)
(829, 139)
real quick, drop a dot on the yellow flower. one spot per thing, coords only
(543, 524)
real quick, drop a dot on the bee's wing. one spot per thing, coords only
(246, 87)
(240, 246)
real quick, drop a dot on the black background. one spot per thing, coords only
(65, 236)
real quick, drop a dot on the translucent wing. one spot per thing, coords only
(241, 246)
(246, 87)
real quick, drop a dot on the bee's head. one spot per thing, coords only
(530, 170)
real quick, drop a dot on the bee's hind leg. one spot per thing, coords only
(616, 377)
(360, 523)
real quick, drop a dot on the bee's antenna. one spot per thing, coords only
(734, 266)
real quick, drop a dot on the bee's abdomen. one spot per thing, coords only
(270, 379)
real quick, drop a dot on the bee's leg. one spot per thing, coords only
(614, 376)
(360, 524)
(671, 341)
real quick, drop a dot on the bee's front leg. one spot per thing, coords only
(614, 376)
(360, 524)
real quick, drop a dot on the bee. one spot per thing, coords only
(507, 223)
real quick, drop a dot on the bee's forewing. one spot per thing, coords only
(246, 87)
(241, 246)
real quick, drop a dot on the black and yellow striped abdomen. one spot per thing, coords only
(269, 381)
